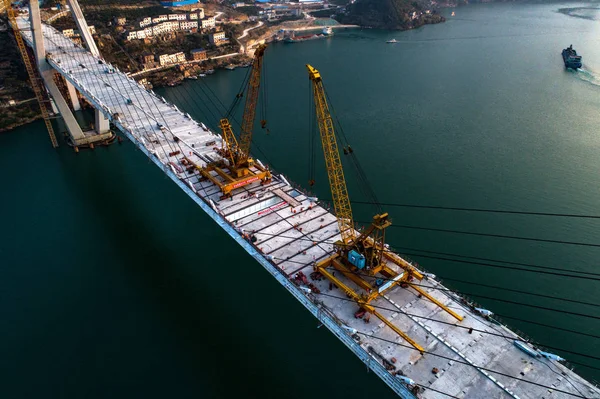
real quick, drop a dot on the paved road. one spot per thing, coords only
(245, 33)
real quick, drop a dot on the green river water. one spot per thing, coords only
(114, 284)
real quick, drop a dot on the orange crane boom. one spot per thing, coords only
(36, 84)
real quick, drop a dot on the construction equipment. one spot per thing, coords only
(361, 257)
(237, 168)
(34, 79)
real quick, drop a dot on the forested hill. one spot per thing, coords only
(390, 14)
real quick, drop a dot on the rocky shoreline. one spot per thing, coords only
(391, 14)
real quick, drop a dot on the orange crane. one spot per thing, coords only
(361, 257)
(34, 79)
(237, 169)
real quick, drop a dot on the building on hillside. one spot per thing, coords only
(208, 22)
(236, 5)
(198, 54)
(120, 21)
(167, 59)
(68, 32)
(147, 58)
(92, 29)
(177, 17)
(160, 18)
(188, 25)
(145, 22)
(217, 38)
(165, 27)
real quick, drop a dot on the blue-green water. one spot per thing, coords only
(113, 284)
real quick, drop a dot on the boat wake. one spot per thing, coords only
(588, 75)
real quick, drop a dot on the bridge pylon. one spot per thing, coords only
(77, 137)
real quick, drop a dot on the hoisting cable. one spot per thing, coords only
(472, 365)
(311, 138)
(401, 249)
(474, 233)
(364, 184)
(263, 96)
(472, 329)
(239, 95)
(483, 210)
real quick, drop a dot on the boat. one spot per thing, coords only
(230, 67)
(453, 14)
(571, 59)
(392, 41)
(202, 75)
(210, 71)
(192, 77)
(327, 30)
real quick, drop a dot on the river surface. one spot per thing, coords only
(114, 284)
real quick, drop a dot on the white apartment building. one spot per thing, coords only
(166, 59)
(197, 13)
(216, 38)
(187, 25)
(140, 34)
(177, 17)
(145, 22)
(160, 18)
(208, 22)
(165, 27)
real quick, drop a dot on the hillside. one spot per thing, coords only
(390, 14)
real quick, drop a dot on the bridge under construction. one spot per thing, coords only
(423, 340)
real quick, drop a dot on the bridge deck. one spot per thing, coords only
(290, 235)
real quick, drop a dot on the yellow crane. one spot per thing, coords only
(238, 168)
(34, 79)
(362, 257)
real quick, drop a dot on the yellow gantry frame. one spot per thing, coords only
(236, 152)
(33, 77)
(343, 210)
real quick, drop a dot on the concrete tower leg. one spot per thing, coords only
(47, 73)
(84, 30)
(102, 124)
(73, 95)
(78, 138)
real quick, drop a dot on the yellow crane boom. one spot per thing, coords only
(36, 85)
(335, 171)
(250, 105)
